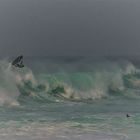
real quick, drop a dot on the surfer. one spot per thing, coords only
(18, 62)
(127, 115)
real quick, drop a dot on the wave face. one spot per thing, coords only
(71, 81)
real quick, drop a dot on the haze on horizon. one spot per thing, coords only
(69, 27)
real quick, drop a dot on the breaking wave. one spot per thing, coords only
(101, 81)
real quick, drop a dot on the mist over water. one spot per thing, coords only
(73, 79)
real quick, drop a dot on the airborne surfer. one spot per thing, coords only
(18, 62)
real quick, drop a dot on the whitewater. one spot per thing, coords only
(70, 99)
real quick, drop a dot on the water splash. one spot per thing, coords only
(100, 82)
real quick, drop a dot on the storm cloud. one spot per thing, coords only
(69, 27)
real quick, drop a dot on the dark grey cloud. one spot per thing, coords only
(69, 27)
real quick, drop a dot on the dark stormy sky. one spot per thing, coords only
(69, 27)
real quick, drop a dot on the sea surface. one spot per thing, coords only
(70, 98)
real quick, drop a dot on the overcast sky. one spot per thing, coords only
(69, 27)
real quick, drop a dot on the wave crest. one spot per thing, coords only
(101, 82)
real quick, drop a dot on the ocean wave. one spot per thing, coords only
(102, 82)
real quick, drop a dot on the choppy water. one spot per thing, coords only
(71, 99)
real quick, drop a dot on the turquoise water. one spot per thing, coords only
(70, 101)
(104, 120)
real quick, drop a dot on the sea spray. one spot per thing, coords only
(103, 80)
(82, 85)
(100, 82)
(8, 89)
